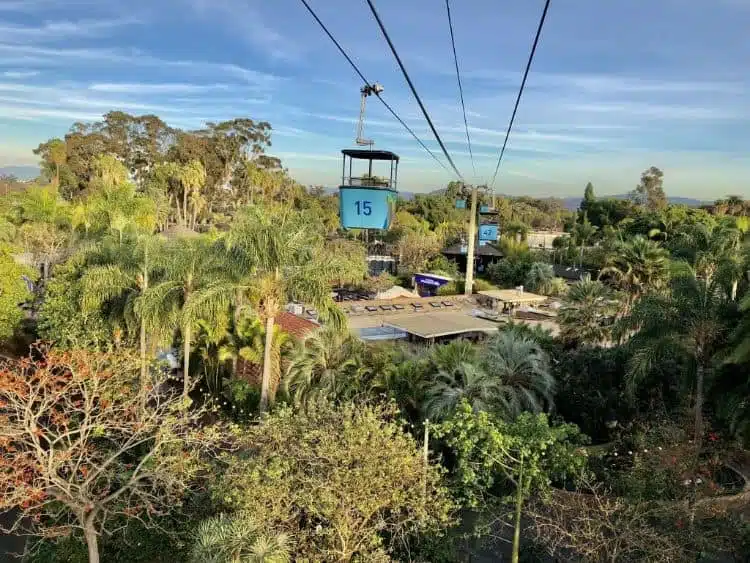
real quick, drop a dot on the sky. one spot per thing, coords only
(615, 87)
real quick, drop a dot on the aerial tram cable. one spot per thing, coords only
(460, 87)
(520, 91)
(371, 86)
(413, 89)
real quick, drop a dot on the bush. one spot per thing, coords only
(457, 287)
(342, 482)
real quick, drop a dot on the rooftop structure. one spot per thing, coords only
(444, 323)
(513, 296)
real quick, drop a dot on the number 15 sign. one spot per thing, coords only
(366, 208)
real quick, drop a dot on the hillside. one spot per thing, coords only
(20, 172)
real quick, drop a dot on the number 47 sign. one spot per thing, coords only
(488, 232)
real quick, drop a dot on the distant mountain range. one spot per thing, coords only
(20, 172)
(573, 203)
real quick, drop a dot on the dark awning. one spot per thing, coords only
(364, 154)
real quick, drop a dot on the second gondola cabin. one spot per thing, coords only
(367, 201)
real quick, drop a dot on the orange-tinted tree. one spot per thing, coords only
(79, 450)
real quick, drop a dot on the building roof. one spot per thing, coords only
(513, 296)
(365, 154)
(445, 323)
(485, 250)
(572, 273)
(294, 325)
(435, 276)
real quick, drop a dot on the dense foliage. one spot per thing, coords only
(171, 414)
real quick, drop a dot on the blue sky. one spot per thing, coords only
(616, 86)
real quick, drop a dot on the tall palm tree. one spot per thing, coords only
(523, 368)
(585, 313)
(583, 232)
(247, 342)
(687, 322)
(194, 285)
(193, 178)
(286, 259)
(328, 364)
(123, 275)
(637, 266)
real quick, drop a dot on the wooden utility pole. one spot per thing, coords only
(469, 284)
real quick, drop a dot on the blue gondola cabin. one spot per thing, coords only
(367, 201)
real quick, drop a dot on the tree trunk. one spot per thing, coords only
(735, 283)
(57, 175)
(517, 518)
(699, 379)
(238, 303)
(92, 541)
(45, 270)
(186, 335)
(143, 343)
(265, 383)
(184, 206)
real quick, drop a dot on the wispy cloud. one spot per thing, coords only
(149, 88)
(49, 57)
(53, 31)
(242, 16)
(19, 74)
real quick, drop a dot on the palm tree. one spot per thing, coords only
(585, 312)
(714, 250)
(583, 232)
(522, 367)
(286, 259)
(194, 286)
(687, 322)
(248, 342)
(238, 538)
(510, 375)
(466, 381)
(328, 364)
(540, 278)
(125, 276)
(193, 178)
(637, 266)
(448, 357)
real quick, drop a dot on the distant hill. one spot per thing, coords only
(20, 172)
(573, 203)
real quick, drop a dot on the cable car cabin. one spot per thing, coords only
(367, 201)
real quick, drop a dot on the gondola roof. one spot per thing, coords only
(365, 154)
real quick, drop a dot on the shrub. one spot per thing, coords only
(342, 482)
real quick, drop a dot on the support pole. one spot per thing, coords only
(469, 284)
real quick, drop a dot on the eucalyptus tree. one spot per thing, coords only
(193, 285)
(688, 322)
(286, 259)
